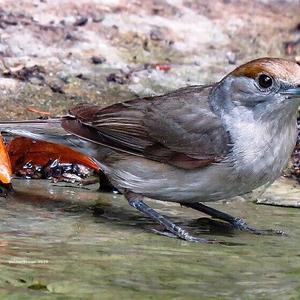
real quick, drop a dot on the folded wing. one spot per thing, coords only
(178, 128)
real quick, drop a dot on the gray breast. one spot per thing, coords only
(261, 150)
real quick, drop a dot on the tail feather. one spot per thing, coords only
(49, 130)
(45, 130)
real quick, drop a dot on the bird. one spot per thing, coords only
(195, 145)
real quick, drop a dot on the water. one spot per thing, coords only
(70, 243)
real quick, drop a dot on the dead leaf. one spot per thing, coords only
(5, 165)
(22, 150)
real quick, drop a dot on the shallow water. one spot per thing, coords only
(73, 243)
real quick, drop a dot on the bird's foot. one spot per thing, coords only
(187, 237)
(173, 230)
(241, 225)
(236, 223)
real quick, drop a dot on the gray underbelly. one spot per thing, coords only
(167, 183)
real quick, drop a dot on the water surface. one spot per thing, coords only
(75, 243)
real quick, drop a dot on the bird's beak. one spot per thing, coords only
(293, 92)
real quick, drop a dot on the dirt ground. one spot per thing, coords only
(54, 54)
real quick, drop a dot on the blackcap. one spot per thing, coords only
(197, 144)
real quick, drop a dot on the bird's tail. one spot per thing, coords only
(49, 130)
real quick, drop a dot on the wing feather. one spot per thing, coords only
(178, 128)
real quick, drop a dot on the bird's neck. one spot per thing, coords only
(261, 148)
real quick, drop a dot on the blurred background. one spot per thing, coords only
(54, 54)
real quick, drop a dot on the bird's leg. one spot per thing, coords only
(237, 223)
(105, 185)
(136, 201)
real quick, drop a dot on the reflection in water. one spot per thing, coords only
(58, 241)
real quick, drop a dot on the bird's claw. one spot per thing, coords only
(188, 238)
(241, 225)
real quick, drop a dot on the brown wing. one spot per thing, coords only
(178, 128)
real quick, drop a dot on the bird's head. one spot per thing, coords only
(262, 86)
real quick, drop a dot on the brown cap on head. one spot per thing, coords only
(276, 67)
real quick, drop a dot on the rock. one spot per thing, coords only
(81, 21)
(283, 192)
(97, 60)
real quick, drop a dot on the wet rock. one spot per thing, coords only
(283, 192)
(55, 170)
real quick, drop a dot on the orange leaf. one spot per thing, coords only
(22, 150)
(5, 165)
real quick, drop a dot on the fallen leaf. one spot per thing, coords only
(22, 150)
(5, 164)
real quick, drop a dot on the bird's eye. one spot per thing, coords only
(265, 81)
